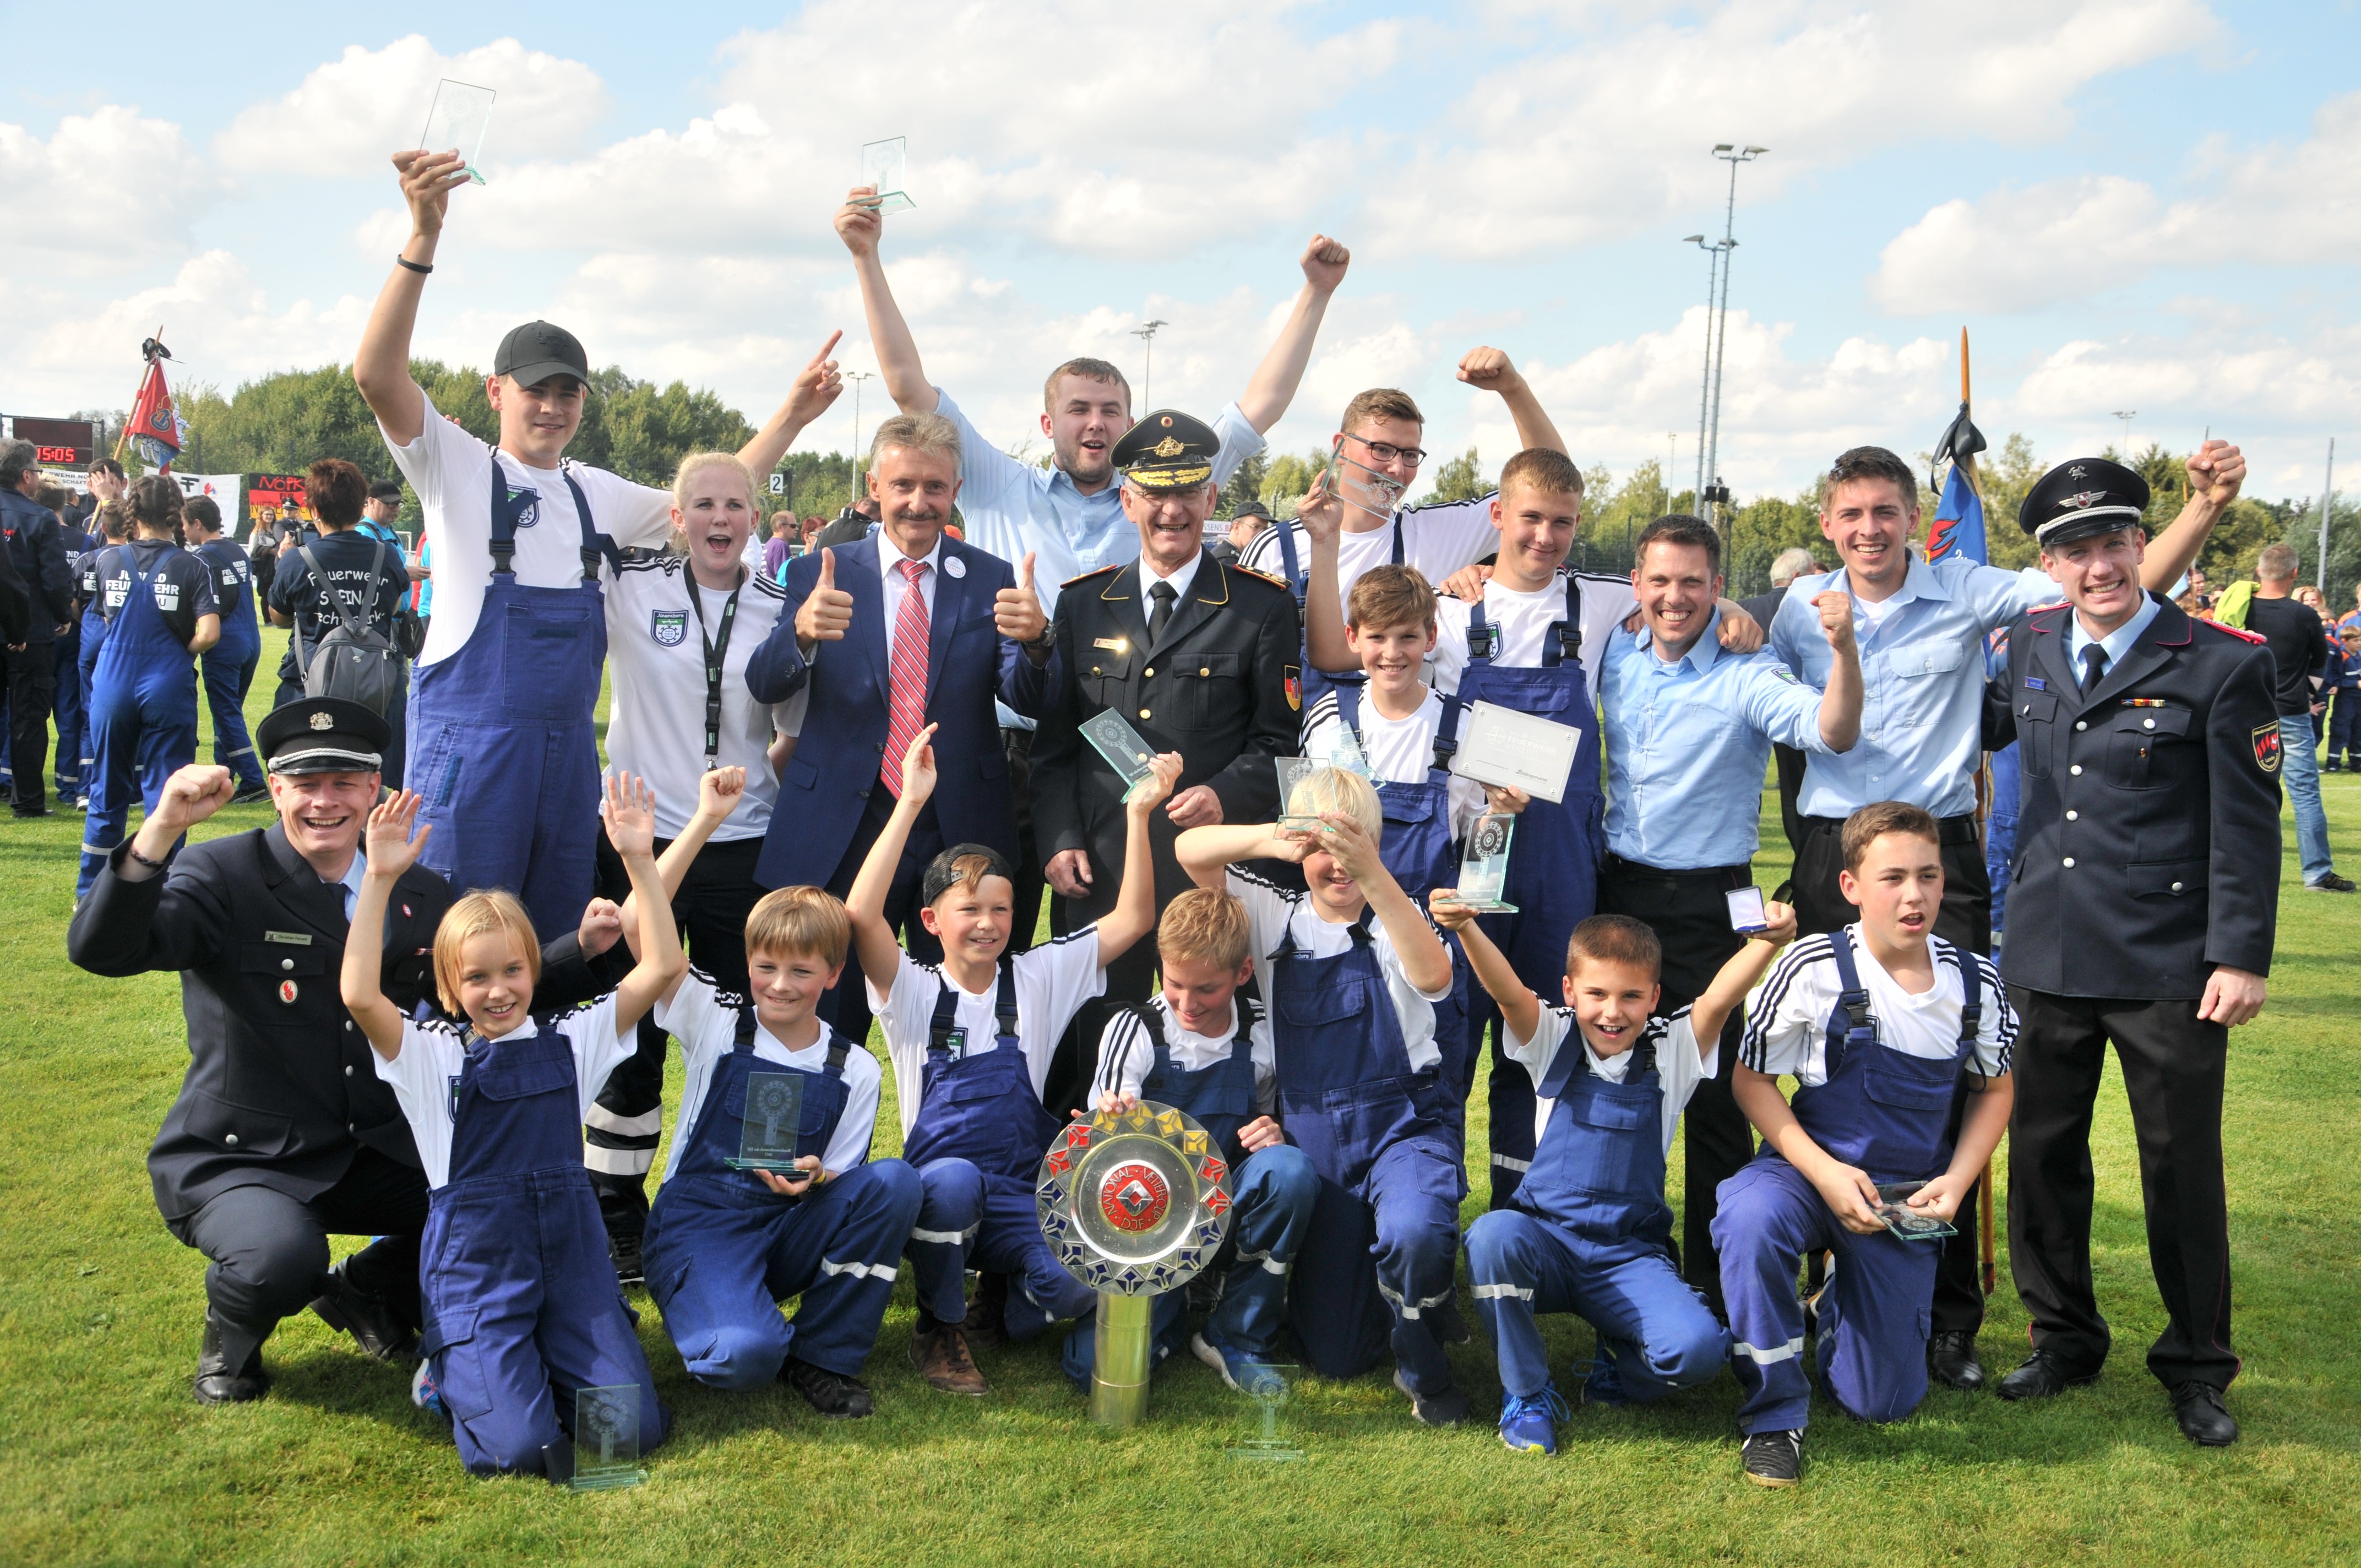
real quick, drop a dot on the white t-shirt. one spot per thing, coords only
(451, 471)
(1273, 911)
(1521, 621)
(426, 1075)
(1126, 1054)
(705, 1021)
(1400, 750)
(1679, 1068)
(1787, 1016)
(1438, 539)
(1053, 981)
(656, 655)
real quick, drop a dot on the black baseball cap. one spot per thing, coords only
(943, 874)
(324, 734)
(1251, 508)
(535, 352)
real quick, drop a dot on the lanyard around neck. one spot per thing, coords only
(716, 650)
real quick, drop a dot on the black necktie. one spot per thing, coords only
(1161, 615)
(2094, 667)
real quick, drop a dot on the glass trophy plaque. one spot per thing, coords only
(1910, 1225)
(456, 121)
(1360, 486)
(607, 1438)
(1484, 869)
(1132, 758)
(772, 1117)
(1270, 1442)
(1292, 774)
(881, 171)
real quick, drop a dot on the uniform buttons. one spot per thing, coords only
(1151, 671)
(2082, 724)
(348, 1024)
(2073, 816)
(2176, 887)
(2076, 770)
(2147, 724)
(2070, 863)
(348, 1069)
(1145, 714)
(286, 963)
(230, 1138)
(1206, 669)
(348, 1126)
(1096, 671)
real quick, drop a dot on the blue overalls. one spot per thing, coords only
(521, 1306)
(978, 1142)
(1552, 864)
(1299, 583)
(92, 639)
(1271, 1194)
(1883, 1112)
(143, 706)
(229, 664)
(723, 1250)
(1591, 1233)
(501, 737)
(1386, 1149)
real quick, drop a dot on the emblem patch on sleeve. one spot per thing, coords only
(1294, 686)
(669, 627)
(2267, 747)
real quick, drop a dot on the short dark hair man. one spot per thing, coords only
(35, 546)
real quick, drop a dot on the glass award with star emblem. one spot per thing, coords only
(769, 1117)
(1484, 867)
(1360, 486)
(881, 171)
(1133, 759)
(607, 1438)
(1266, 1385)
(456, 121)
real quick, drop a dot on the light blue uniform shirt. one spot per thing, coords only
(2117, 643)
(1923, 679)
(1687, 744)
(350, 888)
(1009, 507)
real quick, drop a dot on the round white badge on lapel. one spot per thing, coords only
(954, 567)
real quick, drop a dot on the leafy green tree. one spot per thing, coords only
(1289, 479)
(1460, 479)
(1245, 484)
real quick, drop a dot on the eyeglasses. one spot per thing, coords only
(1386, 452)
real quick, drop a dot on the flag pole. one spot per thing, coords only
(145, 361)
(1988, 1244)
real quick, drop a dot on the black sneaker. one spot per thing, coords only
(2329, 882)
(829, 1393)
(624, 1252)
(1445, 1407)
(1773, 1458)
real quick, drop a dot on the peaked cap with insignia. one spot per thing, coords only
(324, 734)
(1167, 450)
(2080, 497)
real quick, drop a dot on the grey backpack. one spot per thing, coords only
(353, 659)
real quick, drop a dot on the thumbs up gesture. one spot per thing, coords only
(827, 610)
(1017, 611)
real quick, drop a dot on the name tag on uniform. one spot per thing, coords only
(1111, 644)
(2035, 682)
(292, 938)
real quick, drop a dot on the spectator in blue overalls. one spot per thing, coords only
(1197, 1048)
(522, 1310)
(2344, 712)
(1878, 1022)
(161, 614)
(113, 522)
(501, 734)
(727, 1241)
(229, 664)
(1352, 971)
(971, 1039)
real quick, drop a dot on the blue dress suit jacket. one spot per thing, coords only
(827, 785)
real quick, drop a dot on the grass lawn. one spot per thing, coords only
(105, 1459)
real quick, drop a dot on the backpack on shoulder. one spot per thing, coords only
(352, 660)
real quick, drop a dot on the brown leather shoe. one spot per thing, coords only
(988, 1322)
(942, 1356)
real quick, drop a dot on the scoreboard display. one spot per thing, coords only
(70, 444)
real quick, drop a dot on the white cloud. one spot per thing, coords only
(107, 192)
(347, 115)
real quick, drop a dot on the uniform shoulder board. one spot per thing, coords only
(2240, 632)
(2046, 609)
(1086, 576)
(1260, 575)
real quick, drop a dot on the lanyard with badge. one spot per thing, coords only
(715, 652)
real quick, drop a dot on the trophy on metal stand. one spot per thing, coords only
(1133, 1204)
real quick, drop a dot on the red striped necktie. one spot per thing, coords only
(909, 676)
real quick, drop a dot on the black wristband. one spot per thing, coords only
(421, 267)
(132, 850)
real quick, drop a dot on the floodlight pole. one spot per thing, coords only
(1146, 332)
(2327, 510)
(856, 378)
(1718, 330)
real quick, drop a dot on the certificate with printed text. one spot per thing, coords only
(1501, 746)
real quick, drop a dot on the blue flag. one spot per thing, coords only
(1959, 528)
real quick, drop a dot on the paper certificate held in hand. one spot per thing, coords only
(1359, 485)
(1131, 757)
(456, 121)
(1500, 746)
(881, 171)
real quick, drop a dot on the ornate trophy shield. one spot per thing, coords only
(1133, 1205)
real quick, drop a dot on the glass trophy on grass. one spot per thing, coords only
(1359, 485)
(881, 171)
(1272, 1442)
(1133, 759)
(773, 1118)
(607, 1438)
(1483, 868)
(456, 121)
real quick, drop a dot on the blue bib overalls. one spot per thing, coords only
(521, 1306)
(500, 733)
(229, 664)
(1386, 1146)
(1591, 1233)
(1299, 583)
(978, 1142)
(723, 1250)
(142, 713)
(1552, 863)
(1883, 1112)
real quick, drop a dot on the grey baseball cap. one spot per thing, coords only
(535, 352)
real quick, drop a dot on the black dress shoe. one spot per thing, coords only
(373, 1323)
(2198, 1407)
(986, 1324)
(1951, 1358)
(219, 1383)
(624, 1250)
(2042, 1376)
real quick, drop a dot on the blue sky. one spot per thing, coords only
(2148, 204)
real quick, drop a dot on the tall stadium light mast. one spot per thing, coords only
(1718, 331)
(856, 378)
(1146, 332)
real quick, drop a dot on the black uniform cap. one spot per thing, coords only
(535, 352)
(942, 871)
(2080, 497)
(1167, 450)
(324, 734)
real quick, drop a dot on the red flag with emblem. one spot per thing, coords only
(154, 427)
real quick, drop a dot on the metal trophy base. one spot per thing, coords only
(1121, 1343)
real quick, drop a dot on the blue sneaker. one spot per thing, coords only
(424, 1395)
(1604, 1385)
(1245, 1373)
(1529, 1421)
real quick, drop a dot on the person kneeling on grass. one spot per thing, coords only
(970, 1040)
(1877, 1022)
(1197, 1048)
(1588, 1231)
(522, 1307)
(726, 1245)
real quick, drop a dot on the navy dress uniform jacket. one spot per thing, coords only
(827, 785)
(281, 1090)
(37, 544)
(1222, 687)
(2147, 846)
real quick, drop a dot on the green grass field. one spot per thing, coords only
(105, 1458)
